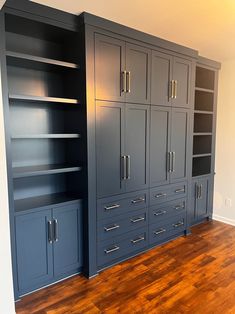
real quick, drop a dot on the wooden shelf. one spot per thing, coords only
(204, 90)
(43, 99)
(35, 61)
(44, 201)
(45, 136)
(30, 171)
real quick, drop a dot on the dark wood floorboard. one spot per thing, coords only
(193, 274)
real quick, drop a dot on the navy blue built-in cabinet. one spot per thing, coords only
(110, 138)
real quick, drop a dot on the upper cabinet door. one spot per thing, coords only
(67, 233)
(161, 79)
(137, 146)
(138, 74)
(34, 250)
(109, 68)
(179, 144)
(109, 148)
(159, 145)
(182, 79)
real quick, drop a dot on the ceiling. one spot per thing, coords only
(205, 25)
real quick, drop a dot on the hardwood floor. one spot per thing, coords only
(193, 274)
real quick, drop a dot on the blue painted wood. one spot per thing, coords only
(163, 212)
(115, 226)
(121, 204)
(67, 246)
(34, 252)
(113, 249)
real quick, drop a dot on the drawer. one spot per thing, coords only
(116, 226)
(115, 206)
(167, 210)
(112, 250)
(167, 193)
(167, 229)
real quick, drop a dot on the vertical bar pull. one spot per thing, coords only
(128, 167)
(123, 82)
(171, 89)
(128, 81)
(50, 236)
(197, 192)
(200, 190)
(56, 236)
(123, 168)
(173, 162)
(175, 88)
(169, 162)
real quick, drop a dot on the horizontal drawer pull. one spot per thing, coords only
(138, 200)
(138, 219)
(112, 207)
(179, 207)
(160, 195)
(161, 212)
(162, 230)
(138, 240)
(180, 190)
(111, 228)
(179, 224)
(111, 250)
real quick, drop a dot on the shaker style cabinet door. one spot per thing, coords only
(161, 74)
(34, 250)
(159, 145)
(200, 197)
(109, 68)
(137, 146)
(182, 79)
(67, 239)
(179, 137)
(138, 74)
(109, 148)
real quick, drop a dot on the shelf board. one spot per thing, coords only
(203, 112)
(45, 136)
(202, 155)
(201, 133)
(44, 201)
(30, 171)
(31, 98)
(204, 90)
(35, 61)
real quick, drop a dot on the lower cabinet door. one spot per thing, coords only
(67, 239)
(34, 250)
(200, 198)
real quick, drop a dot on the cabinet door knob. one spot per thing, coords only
(179, 224)
(56, 231)
(138, 219)
(123, 82)
(160, 195)
(107, 229)
(162, 230)
(138, 200)
(159, 213)
(128, 81)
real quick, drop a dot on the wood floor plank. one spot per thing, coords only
(193, 274)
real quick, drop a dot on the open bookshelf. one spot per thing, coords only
(43, 75)
(203, 121)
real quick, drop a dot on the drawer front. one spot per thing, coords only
(167, 193)
(115, 206)
(112, 250)
(116, 226)
(167, 210)
(163, 230)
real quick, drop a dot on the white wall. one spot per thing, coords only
(6, 287)
(225, 146)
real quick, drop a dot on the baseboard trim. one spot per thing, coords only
(224, 219)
